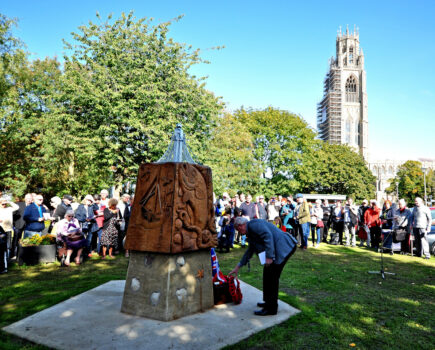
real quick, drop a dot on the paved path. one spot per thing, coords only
(92, 320)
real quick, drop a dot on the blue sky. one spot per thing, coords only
(276, 54)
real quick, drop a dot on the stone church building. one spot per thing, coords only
(342, 113)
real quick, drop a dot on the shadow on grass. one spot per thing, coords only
(343, 304)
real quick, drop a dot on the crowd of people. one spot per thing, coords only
(96, 226)
(334, 223)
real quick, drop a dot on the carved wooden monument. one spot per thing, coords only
(170, 232)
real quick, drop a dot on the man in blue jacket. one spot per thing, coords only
(34, 217)
(278, 246)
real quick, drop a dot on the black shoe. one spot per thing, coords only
(262, 304)
(4, 271)
(264, 312)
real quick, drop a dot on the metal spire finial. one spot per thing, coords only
(177, 150)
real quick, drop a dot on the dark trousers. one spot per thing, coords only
(17, 236)
(339, 227)
(271, 276)
(404, 245)
(325, 230)
(299, 234)
(121, 235)
(3, 251)
(421, 243)
(375, 236)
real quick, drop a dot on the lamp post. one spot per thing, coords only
(397, 190)
(424, 181)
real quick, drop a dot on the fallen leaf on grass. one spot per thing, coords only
(352, 344)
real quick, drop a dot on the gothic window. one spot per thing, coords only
(351, 55)
(348, 131)
(345, 61)
(351, 89)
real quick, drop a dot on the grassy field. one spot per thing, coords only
(342, 305)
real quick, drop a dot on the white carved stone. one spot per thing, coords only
(155, 298)
(135, 284)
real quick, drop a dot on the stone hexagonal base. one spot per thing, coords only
(168, 286)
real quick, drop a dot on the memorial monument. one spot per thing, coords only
(170, 234)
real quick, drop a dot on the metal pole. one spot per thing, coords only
(397, 191)
(424, 180)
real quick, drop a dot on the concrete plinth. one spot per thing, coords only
(92, 320)
(168, 286)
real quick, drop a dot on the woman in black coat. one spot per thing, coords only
(109, 238)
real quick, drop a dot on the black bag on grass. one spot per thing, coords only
(334, 238)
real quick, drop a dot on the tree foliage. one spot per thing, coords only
(336, 169)
(275, 152)
(410, 179)
(230, 156)
(280, 141)
(128, 85)
(113, 105)
(124, 86)
(25, 143)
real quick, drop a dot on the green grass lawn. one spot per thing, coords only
(342, 305)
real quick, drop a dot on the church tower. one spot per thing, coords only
(342, 113)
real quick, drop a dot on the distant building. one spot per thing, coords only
(342, 113)
(386, 170)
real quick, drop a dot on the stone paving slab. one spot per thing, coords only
(92, 320)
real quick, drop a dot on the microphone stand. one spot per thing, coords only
(382, 272)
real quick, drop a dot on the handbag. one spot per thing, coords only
(362, 233)
(85, 225)
(399, 234)
(320, 224)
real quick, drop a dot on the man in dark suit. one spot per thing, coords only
(278, 247)
(61, 209)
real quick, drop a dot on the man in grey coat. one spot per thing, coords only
(421, 221)
(278, 247)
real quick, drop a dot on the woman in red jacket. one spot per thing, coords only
(371, 219)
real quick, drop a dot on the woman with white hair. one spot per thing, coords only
(54, 203)
(70, 232)
(401, 226)
(316, 222)
(104, 198)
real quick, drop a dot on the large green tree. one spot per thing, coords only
(281, 141)
(272, 151)
(231, 157)
(124, 86)
(410, 179)
(24, 150)
(12, 57)
(336, 169)
(128, 84)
